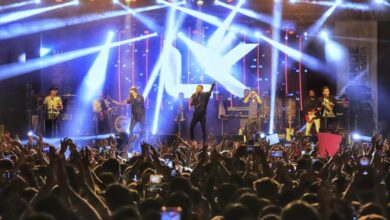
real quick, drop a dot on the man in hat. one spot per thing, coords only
(53, 104)
(137, 103)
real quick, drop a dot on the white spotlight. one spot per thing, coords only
(110, 34)
(379, 2)
(356, 136)
(257, 34)
(324, 35)
(37, 1)
(293, 1)
(200, 2)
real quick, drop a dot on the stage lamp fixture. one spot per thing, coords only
(199, 2)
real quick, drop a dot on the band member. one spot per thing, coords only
(312, 109)
(246, 94)
(253, 101)
(53, 105)
(102, 108)
(200, 100)
(328, 104)
(180, 116)
(243, 104)
(137, 103)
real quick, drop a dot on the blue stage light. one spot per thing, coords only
(16, 30)
(173, 24)
(90, 88)
(14, 16)
(44, 51)
(358, 137)
(324, 35)
(16, 69)
(19, 4)
(277, 13)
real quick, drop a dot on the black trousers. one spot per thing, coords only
(195, 119)
(133, 123)
(51, 127)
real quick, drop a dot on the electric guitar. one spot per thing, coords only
(289, 131)
(311, 115)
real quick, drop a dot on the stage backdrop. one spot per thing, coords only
(357, 76)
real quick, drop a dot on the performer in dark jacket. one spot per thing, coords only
(200, 100)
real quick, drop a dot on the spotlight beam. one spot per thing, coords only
(277, 15)
(347, 5)
(309, 61)
(22, 29)
(10, 17)
(220, 33)
(90, 88)
(169, 37)
(252, 14)
(169, 34)
(205, 17)
(16, 69)
(218, 66)
(16, 5)
(313, 30)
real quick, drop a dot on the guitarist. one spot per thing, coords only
(312, 109)
(102, 108)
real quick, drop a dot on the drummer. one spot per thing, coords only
(53, 105)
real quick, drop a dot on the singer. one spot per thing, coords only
(200, 101)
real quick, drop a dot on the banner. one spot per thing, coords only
(328, 144)
(359, 71)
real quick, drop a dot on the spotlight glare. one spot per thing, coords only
(110, 35)
(30, 133)
(37, 1)
(379, 1)
(355, 136)
(257, 34)
(292, 1)
(262, 135)
(44, 51)
(200, 2)
(324, 35)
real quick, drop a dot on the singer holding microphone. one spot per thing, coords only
(53, 105)
(200, 100)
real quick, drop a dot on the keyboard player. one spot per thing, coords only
(253, 102)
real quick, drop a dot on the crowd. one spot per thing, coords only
(228, 180)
